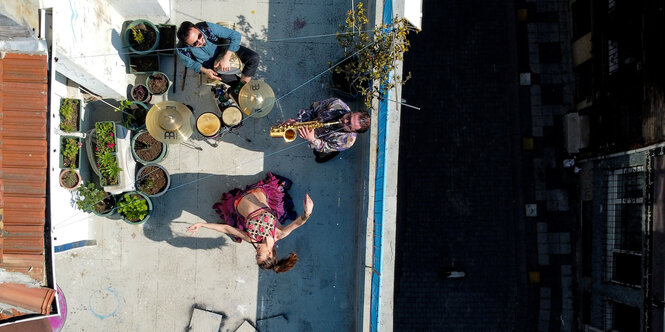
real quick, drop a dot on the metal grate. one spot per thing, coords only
(623, 230)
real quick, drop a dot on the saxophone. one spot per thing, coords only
(290, 131)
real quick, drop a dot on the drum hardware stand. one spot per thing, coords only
(191, 145)
(184, 75)
(233, 130)
(213, 144)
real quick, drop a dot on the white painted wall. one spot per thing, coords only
(413, 11)
(22, 12)
(155, 10)
(87, 40)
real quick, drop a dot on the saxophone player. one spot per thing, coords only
(327, 142)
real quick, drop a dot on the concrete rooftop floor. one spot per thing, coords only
(149, 277)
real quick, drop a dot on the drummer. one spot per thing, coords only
(207, 48)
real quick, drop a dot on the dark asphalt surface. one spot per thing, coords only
(459, 201)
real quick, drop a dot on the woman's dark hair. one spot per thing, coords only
(183, 30)
(281, 265)
(365, 121)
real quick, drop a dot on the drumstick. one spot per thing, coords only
(175, 71)
(184, 75)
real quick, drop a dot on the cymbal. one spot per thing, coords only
(256, 99)
(170, 122)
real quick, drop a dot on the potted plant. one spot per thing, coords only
(166, 39)
(70, 156)
(370, 57)
(135, 207)
(140, 93)
(109, 170)
(153, 180)
(142, 64)
(105, 135)
(157, 83)
(105, 157)
(142, 36)
(70, 179)
(133, 114)
(146, 149)
(70, 115)
(91, 198)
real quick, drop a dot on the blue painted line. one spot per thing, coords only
(379, 190)
(73, 245)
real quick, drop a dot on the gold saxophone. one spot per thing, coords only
(290, 131)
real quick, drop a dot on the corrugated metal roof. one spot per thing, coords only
(23, 163)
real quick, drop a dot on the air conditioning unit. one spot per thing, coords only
(589, 328)
(576, 132)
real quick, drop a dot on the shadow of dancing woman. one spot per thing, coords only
(256, 215)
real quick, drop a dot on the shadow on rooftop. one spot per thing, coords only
(192, 203)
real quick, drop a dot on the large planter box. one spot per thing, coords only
(76, 119)
(143, 64)
(77, 160)
(99, 125)
(105, 141)
(167, 37)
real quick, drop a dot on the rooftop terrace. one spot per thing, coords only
(117, 276)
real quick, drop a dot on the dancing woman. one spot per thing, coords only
(255, 215)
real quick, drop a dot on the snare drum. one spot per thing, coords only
(231, 116)
(208, 125)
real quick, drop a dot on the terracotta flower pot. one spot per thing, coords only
(68, 181)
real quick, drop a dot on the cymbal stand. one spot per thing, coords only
(233, 130)
(191, 145)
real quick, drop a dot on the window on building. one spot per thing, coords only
(613, 57)
(587, 237)
(586, 308)
(623, 236)
(621, 317)
(581, 10)
(583, 81)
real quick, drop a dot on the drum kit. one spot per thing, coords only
(255, 99)
(173, 122)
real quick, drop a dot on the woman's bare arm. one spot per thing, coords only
(222, 228)
(286, 230)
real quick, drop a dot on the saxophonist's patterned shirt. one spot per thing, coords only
(332, 138)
